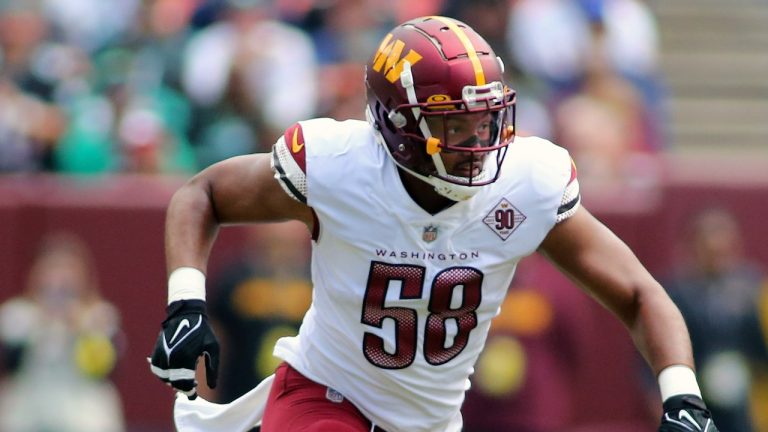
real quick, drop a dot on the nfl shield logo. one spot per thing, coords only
(430, 234)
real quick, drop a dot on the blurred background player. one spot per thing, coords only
(57, 348)
(258, 298)
(720, 293)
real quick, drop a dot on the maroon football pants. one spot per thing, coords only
(298, 404)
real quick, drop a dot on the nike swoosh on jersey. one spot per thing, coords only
(296, 146)
(169, 346)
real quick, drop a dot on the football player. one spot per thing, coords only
(418, 218)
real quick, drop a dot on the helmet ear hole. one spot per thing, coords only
(397, 119)
(382, 118)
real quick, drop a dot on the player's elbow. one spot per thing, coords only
(194, 198)
(641, 294)
(647, 299)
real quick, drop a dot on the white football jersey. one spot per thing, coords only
(403, 299)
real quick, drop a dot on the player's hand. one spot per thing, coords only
(685, 413)
(185, 337)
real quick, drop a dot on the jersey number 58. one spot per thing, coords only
(440, 313)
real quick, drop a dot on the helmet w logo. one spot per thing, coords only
(389, 56)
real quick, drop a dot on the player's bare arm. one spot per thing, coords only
(235, 191)
(596, 259)
(604, 266)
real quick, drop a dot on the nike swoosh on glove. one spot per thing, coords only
(686, 413)
(185, 336)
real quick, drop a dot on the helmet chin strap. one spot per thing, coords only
(406, 80)
(444, 188)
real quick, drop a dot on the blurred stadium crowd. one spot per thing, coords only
(167, 87)
(171, 86)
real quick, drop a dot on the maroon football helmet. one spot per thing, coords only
(438, 67)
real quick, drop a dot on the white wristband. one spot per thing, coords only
(676, 380)
(186, 283)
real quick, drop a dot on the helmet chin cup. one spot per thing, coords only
(453, 191)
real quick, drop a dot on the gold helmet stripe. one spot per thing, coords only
(471, 53)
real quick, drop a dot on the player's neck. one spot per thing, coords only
(423, 194)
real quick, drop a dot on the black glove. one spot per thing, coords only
(185, 337)
(685, 413)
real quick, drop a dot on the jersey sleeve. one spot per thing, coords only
(289, 163)
(571, 199)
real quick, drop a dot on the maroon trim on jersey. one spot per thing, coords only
(573, 172)
(315, 225)
(294, 141)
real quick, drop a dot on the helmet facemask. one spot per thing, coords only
(484, 152)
